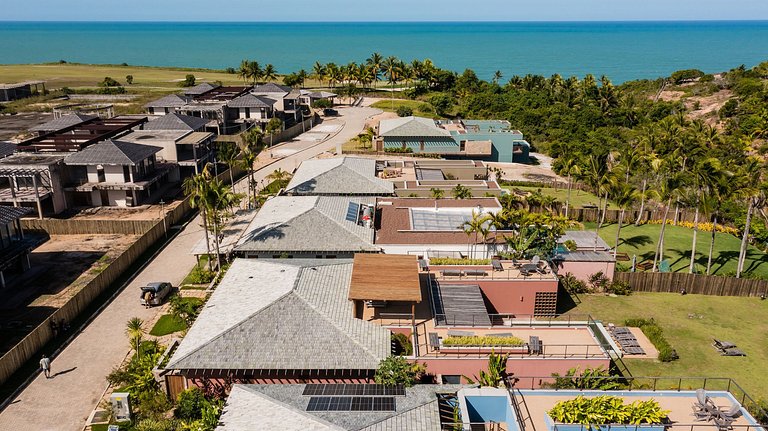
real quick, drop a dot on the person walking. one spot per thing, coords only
(45, 364)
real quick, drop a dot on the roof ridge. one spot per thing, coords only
(339, 223)
(401, 413)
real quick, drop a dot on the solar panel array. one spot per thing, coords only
(351, 404)
(352, 212)
(431, 220)
(336, 390)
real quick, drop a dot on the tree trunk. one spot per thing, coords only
(216, 240)
(568, 197)
(642, 203)
(677, 212)
(605, 209)
(712, 245)
(618, 233)
(204, 213)
(693, 242)
(231, 177)
(744, 241)
(659, 255)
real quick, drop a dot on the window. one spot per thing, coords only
(247, 112)
(127, 174)
(421, 145)
(100, 174)
(451, 379)
(463, 146)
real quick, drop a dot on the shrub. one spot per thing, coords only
(619, 287)
(404, 111)
(402, 344)
(424, 108)
(398, 150)
(129, 79)
(457, 261)
(729, 109)
(598, 282)
(478, 340)
(591, 378)
(189, 81)
(396, 370)
(200, 275)
(322, 104)
(607, 409)
(109, 82)
(189, 404)
(686, 75)
(572, 285)
(570, 245)
(655, 334)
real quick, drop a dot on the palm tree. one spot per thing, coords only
(375, 61)
(476, 225)
(391, 69)
(570, 167)
(712, 204)
(135, 331)
(624, 195)
(279, 175)
(269, 73)
(497, 75)
(302, 75)
(318, 71)
(228, 153)
(244, 70)
(254, 71)
(461, 192)
(437, 193)
(667, 189)
(221, 200)
(334, 74)
(196, 187)
(754, 191)
(249, 158)
(273, 126)
(703, 176)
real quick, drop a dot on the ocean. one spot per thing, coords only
(620, 50)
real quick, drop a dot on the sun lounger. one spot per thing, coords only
(475, 272)
(634, 350)
(723, 345)
(733, 412)
(497, 265)
(516, 264)
(733, 352)
(701, 413)
(723, 423)
(451, 273)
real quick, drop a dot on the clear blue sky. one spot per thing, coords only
(382, 10)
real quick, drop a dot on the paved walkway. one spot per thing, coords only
(64, 402)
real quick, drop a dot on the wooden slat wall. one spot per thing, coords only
(675, 282)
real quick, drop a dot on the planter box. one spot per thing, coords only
(607, 427)
(485, 349)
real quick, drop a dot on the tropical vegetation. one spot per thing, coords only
(607, 409)
(481, 341)
(396, 370)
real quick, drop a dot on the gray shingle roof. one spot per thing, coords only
(282, 314)
(411, 127)
(271, 88)
(6, 149)
(112, 152)
(249, 100)
(338, 176)
(63, 122)
(169, 101)
(585, 240)
(174, 121)
(9, 214)
(200, 89)
(284, 407)
(307, 224)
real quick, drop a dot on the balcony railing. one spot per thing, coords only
(651, 384)
(395, 319)
(547, 351)
(513, 320)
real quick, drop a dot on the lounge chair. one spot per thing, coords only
(515, 263)
(723, 345)
(732, 413)
(701, 414)
(423, 265)
(454, 333)
(733, 352)
(723, 423)
(451, 273)
(535, 346)
(497, 265)
(703, 399)
(475, 272)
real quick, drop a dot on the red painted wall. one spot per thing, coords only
(519, 368)
(515, 296)
(582, 270)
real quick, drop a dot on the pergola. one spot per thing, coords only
(385, 278)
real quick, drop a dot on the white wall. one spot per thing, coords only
(443, 250)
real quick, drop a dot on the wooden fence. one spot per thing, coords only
(153, 230)
(675, 282)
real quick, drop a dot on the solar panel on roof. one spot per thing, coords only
(352, 212)
(431, 220)
(347, 404)
(336, 390)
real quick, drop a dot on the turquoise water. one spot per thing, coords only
(620, 50)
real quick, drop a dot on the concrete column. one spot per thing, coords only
(37, 198)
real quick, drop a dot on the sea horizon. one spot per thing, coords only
(621, 50)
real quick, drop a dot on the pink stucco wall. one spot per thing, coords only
(582, 270)
(529, 370)
(515, 296)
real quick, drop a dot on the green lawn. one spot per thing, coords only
(641, 241)
(167, 324)
(690, 323)
(579, 198)
(81, 75)
(391, 105)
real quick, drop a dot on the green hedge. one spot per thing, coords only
(457, 261)
(478, 341)
(606, 409)
(653, 331)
